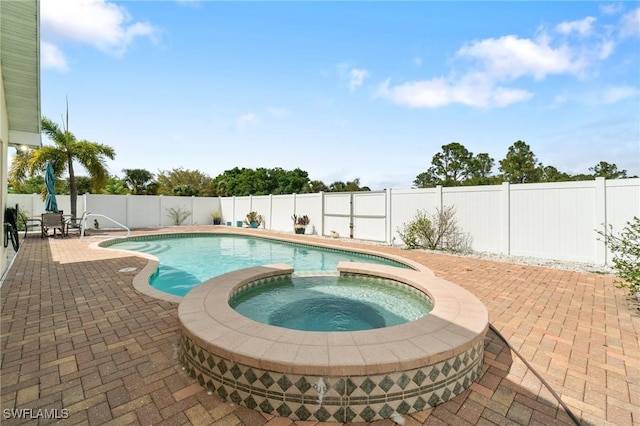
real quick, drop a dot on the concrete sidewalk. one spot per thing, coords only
(79, 342)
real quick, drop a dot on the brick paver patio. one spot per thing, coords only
(77, 338)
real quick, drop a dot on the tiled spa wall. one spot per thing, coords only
(341, 399)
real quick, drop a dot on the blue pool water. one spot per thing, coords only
(187, 261)
(331, 303)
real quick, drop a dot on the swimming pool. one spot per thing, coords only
(331, 303)
(317, 375)
(187, 260)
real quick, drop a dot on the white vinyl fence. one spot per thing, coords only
(545, 220)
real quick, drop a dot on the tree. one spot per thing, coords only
(349, 186)
(354, 185)
(551, 174)
(608, 171)
(261, 181)
(480, 170)
(288, 181)
(66, 149)
(187, 182)
(424, 180)
(582, 176)
(115, 186)
(315, 186)
(227, 182)
(520, 165)
(18, 179)
(186, 190)
(28, 185)
(449, 167)
(338, 186)
(241, 182)
(456, 165)
(83, 183)
(140, 181)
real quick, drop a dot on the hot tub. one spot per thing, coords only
(343, 376)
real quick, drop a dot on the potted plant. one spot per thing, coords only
(253, 220)
(216, 215)
(300, 223)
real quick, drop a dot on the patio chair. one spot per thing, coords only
(72, 224)
(32, 223)
(53, 221)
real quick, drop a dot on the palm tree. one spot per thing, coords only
(116, 186)
(139, 181)
(65, 150)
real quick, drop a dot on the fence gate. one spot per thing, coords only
(360, 215)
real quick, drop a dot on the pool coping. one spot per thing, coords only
(457, 322)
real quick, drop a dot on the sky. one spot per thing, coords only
(344, 90)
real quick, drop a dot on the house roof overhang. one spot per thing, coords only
(20, 69)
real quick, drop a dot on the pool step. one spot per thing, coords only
(156, 249)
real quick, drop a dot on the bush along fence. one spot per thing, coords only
(546, 220)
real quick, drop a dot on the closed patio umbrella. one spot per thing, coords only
(50, 203)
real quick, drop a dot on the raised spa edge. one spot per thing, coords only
(333, 376)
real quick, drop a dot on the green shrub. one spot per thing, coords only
(438, 231)
(178, 215)
(626, 255)
(22, 219)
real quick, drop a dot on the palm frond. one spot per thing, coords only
(62, 138)
(48, 154)
(93, 156)
(20, 168)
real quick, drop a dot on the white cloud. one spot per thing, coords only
(616, 94)
(98, 23)
(439, 92)
(495, 61)
(502, 97)
(611, 8)
(493, 65)
(51, 57)
(605, 49)
(630, 24)
(510, 57)
(246, 120)
(356, 78)
(583, 27)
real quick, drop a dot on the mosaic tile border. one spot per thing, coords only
(257, 283)
(393, 283)
(340, 398)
